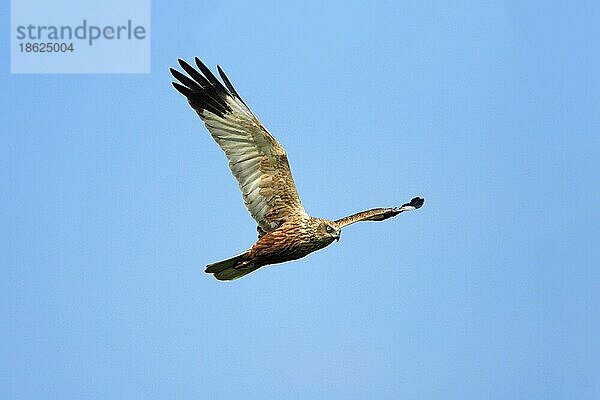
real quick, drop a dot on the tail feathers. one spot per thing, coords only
(232, 268)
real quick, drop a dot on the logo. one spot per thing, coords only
(44, 38)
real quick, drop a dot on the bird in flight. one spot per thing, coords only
(260, 165)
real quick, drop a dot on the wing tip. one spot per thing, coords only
(414, 204)
(417, 202)
(201, 87)
(184, 90)
(182, 63)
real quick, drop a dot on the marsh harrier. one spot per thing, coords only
(259, 163)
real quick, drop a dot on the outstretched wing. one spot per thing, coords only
(256, 158)
(380, 214)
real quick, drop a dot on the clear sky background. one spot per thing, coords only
(114, 198)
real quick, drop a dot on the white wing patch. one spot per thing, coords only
(241, 150)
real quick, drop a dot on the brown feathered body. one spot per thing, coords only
(291, 241)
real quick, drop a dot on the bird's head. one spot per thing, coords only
(330, 230)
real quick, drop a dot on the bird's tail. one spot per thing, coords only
(232, 268)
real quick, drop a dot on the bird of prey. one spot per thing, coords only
(260, 165)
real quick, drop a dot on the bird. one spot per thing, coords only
(260, 165)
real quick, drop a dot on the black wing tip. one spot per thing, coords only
(229, 85)
(201, 87)
(183, 64)
(417, 202)
(182, 89)
(209, 75)
(199, 62)
(180, 77)
(173, 72)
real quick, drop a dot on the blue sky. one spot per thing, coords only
(115, 197)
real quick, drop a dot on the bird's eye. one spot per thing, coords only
(329, 229)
